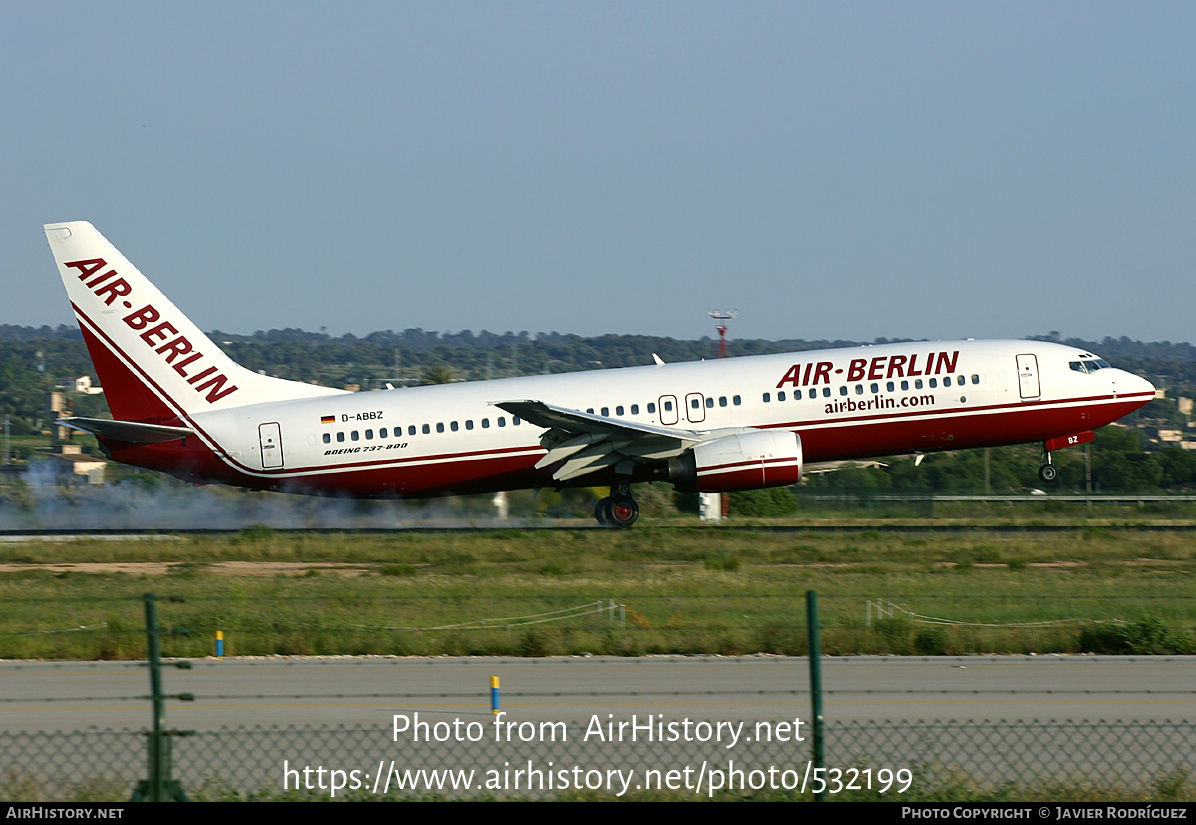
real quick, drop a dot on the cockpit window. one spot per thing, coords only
(1089, 365)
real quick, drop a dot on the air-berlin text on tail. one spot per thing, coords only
(161, 336)
(880, 368)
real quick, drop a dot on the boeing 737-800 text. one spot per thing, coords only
(181, 406)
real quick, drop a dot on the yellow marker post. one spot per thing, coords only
(494, 694)
(219, 644)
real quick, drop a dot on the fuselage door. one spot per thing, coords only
(1027, 376)
(695, 408)
(668, 409)
(270, 437)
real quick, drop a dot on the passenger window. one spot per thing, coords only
(327, 438)
(975, 379)
(427, 429)
(946, 381)
(843, 390)
(918, 384)
(934, 382)
(651, 407)
(353, 436)
(905, 385)
(502, 421)
(826, 392)
(781, 396)
(411, 429)
(797, 395)
(485, 423)
(695, 404)
(767, 398)
(382, 432)
(668, 406)
(709, 403)
(439, 426)
(453, 426)
(340, 436)
(606, 411)
(722, 401)
(369, 435)
(469, 424)
(889, 386)
(515, 420)
(736, 400)
(618, 410)
(635, 409)
(859, 389)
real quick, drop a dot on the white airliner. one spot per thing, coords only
(181, 406)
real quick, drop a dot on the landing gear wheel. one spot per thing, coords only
(1048, 472)
(602, 511)
(623, 511)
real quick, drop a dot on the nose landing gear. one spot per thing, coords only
(1048, 472)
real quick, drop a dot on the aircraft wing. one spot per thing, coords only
(586, 443)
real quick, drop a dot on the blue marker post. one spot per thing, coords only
(219, 644)
(494, 695)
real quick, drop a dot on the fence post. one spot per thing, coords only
(815, 682)
(159, 785)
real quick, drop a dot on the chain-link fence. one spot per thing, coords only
(357, 762)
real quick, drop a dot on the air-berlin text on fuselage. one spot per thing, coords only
(174, 348)
(880, 368)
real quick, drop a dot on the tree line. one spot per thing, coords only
(32, 358)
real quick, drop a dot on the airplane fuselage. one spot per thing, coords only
(845, 404)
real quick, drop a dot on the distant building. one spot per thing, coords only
(71, 462)
(1166, 435)
(81, 384)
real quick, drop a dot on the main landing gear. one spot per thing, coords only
(619, 508)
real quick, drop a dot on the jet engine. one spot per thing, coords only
(748, 461)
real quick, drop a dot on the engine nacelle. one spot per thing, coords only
(748, 461)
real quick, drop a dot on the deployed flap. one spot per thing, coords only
(129, 431)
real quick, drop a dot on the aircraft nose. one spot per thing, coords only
(1126, 383)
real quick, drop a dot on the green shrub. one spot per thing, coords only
(1144, 637)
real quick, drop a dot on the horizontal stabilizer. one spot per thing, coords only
(129, 431)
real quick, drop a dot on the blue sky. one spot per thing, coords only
(832, 170)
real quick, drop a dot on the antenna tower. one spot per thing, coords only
(721, 316)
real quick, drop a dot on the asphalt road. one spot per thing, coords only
(368, 691)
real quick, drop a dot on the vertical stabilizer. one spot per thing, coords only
(154, 364)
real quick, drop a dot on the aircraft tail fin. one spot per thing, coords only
(155, 365)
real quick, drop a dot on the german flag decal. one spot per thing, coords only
(327, 419)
